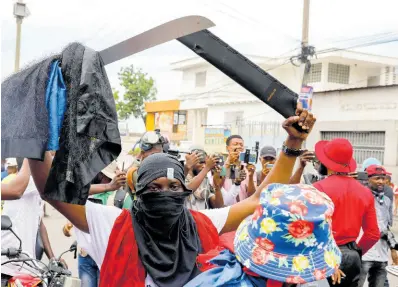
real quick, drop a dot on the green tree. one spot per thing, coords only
(139, 88)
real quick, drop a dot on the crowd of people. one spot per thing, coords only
(210, 220)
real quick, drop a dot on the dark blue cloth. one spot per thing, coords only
(228, 272)
(56, 105)
(4, 174)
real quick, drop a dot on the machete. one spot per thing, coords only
(161, 34)
(243, 71)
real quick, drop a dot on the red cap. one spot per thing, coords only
(374, 169)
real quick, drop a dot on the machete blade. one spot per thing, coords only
(158, 35)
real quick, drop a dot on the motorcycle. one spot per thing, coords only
(50, 275)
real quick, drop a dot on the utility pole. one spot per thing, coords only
(20, 12)
(306, 50)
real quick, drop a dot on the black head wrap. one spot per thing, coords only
(159, 165)
(165, 230)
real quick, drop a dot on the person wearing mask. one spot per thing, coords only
(354, 206)
(235, 145)
(157, 242)
(106, 183)
(375, 261)
(267, 159)
(204, 195)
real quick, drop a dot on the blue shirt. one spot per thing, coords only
(4, 174)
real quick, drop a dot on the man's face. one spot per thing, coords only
(236, 145)
(165, 184)
(267, 160)
(377, 182)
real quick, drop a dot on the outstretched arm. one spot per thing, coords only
(280, 173)
(76, 214)
(16, 188)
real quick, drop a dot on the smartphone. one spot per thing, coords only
(305, 97)
(269, 165)
(248, 157)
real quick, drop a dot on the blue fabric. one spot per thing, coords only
(88, 271)
(4, 174)
(228, 273)
(289, 236)
(56, 104)
(370, 161)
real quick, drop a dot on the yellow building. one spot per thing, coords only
(167, 116)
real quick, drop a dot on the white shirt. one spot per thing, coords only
(101, 218)
(25, 214)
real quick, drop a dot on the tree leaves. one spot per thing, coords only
(139, 88)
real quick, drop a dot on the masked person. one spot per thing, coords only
(375, 261)
(354, 206)
(158, 241)
(267, 159)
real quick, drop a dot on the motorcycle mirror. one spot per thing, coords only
(6, 223)
(73, 247)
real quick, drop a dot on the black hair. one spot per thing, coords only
(233, 137)
(322, 170)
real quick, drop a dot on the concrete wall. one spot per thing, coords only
(374, 109)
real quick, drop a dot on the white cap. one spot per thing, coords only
(11, 162)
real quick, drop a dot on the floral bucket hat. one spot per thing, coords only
(289, 236)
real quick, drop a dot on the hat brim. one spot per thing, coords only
(330, 164)
(268, 155)
(277, 270)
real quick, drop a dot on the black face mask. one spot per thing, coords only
(166, 236)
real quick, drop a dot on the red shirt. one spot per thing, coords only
(353, 209)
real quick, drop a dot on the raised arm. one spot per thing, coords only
(117, 182)
(16, 188)
(280, 172)
(76, 214)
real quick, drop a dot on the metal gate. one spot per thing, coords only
(365, 144)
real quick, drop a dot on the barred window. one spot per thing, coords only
(315, 74)
(365, 144)
(338, 73)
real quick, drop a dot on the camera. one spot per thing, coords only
(390, 238)
(247, 157)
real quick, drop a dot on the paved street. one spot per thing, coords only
(61, 243)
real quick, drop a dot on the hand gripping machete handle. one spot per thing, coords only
(244, 72)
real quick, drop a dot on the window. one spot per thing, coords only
(338, 73)
(200, 79)
(365, 144)
(315, 74)
(387, 75)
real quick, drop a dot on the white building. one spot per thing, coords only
(355, 96)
